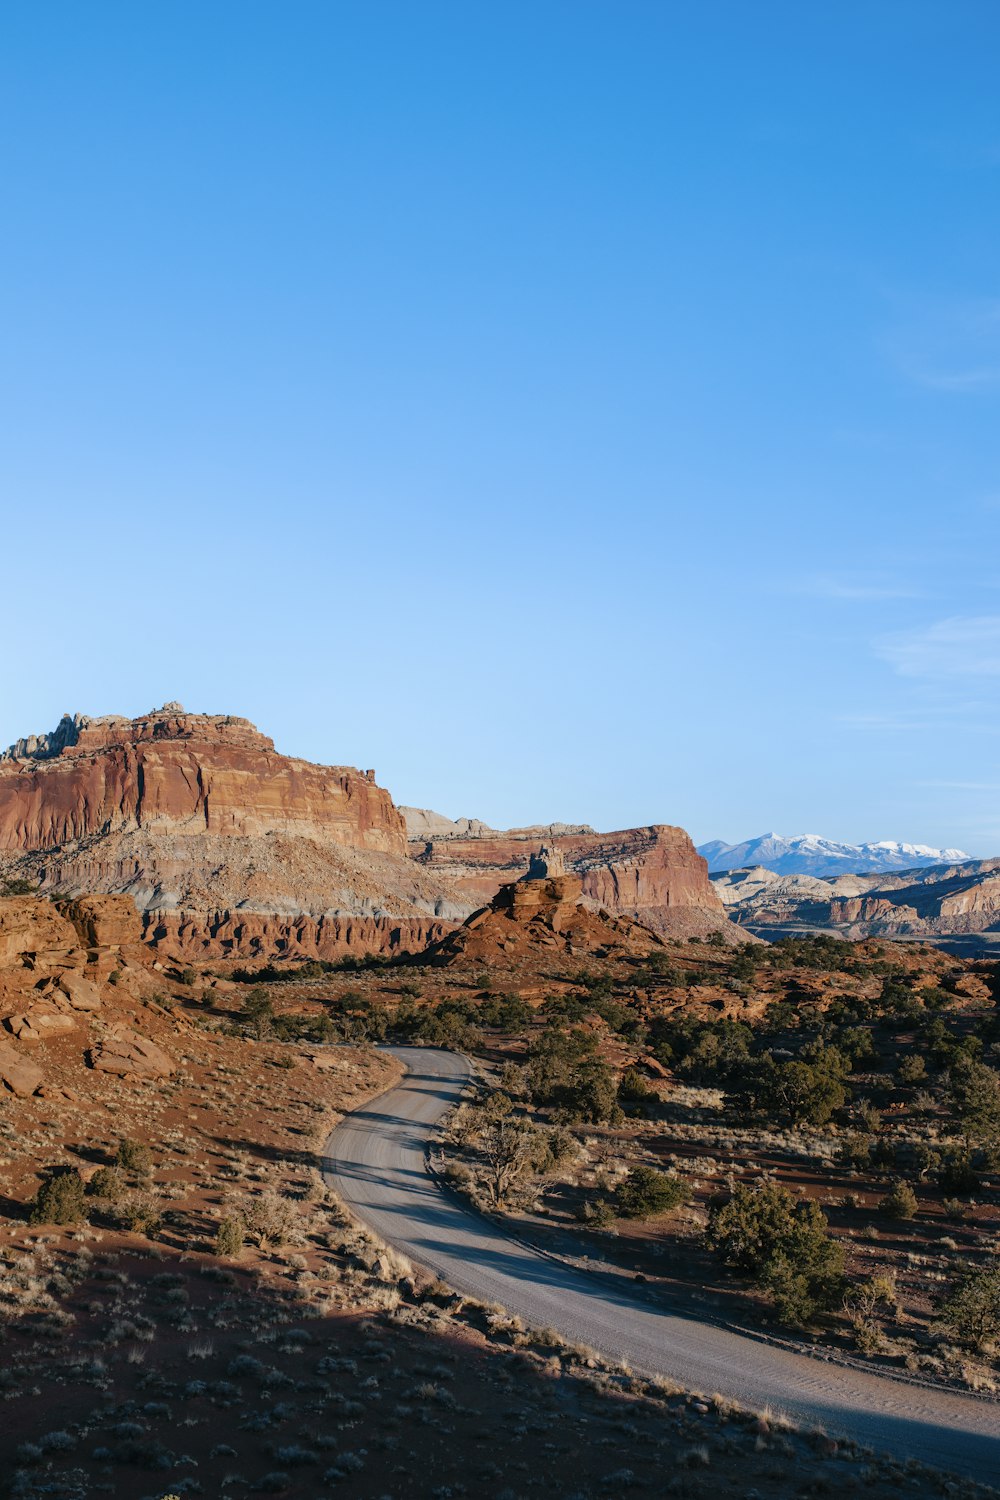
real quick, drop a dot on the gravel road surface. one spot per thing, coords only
(375, 1160)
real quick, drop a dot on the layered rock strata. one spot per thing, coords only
(937, 903)
(229, 848)
(653, 874)
(215, 836)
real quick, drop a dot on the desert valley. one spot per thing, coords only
(211, 954)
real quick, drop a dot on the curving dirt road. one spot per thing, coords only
(376, 1161)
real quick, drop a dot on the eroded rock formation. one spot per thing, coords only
(56, 961)
(229, 848)
(651, 874)
(539, 914)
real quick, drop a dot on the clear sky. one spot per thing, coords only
(580, 411)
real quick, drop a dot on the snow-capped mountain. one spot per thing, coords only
(809, 854)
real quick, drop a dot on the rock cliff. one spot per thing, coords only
(230, 848)
(210, 830)
(183, 774)
(653, 874)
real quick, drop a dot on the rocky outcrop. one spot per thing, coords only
(29, 926)
(256, 935)
(541, 919)
(651, 874)
(104, 921)
(186, 815)
(187, 774)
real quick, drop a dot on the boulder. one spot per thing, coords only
(30, 925)
(40, 1023)
(126, 1053)
(17, 1073)
(80, 992)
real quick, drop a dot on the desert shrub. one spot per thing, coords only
(975, 1095)
(957, 1177)
(140, 1212)
(646, 1191)
(970, 1310)
(782, 1246)
(59, 1200)
(256, 1015)
(108, 1183)
(134, 1157)
(596, 1213)
(912, 1069)
(704, 1051)
(856, 1151)
(864, 1304)
(508, 1146)
(804, 1092)
(270, 1218)
(636, 1090)
(505, 1012)
(552, 1147)
(565, 1073)
(230, 1236)
(900, 1202)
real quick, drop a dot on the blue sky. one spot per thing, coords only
(578, 411)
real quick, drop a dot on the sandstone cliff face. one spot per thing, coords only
(229, 848)
(652, 874)
(222, 842)
(186, 774)
(258, 935)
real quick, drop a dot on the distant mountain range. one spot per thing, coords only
(809, 854)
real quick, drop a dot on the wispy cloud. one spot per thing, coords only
(961, 646)
(857, 588)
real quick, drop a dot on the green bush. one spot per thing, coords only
(59, 1200)
(107, 1183)
(971, 1309)
(230, 1236)
(956, 1175)
(900, 1202)
(782, 1246)
(134, 1157)
(257, 1015)
(804, 1092)
(646, 1191)
(912, 1069)
(596, 1213)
